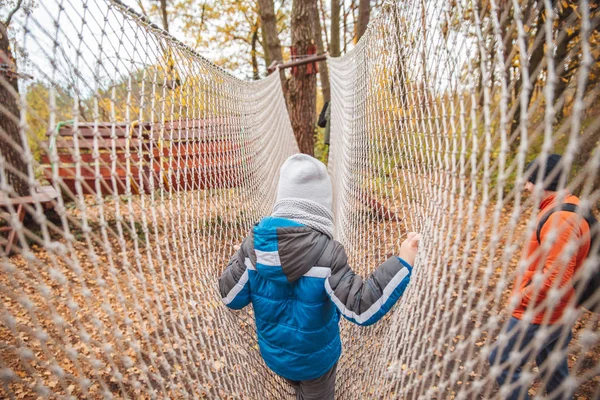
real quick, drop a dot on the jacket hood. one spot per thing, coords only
(285, 249)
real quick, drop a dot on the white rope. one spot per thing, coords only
(434, 147)
(113, 292)
(120, 299)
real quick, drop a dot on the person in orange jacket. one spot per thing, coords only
(538, 326)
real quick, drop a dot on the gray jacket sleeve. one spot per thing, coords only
(364, 302)
(233, 283)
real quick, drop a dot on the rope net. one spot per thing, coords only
(435, 114)
(162, 163)
(133, 167)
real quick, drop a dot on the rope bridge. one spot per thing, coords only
(143, 166)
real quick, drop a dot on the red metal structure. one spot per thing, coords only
(176, 155)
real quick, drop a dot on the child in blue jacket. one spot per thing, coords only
(299, 281)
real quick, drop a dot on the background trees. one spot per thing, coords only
(243, 36)
(246, 36)
(526, 66)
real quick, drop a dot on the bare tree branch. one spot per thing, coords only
(164, 15)
(324, 25)
(141, 5)
(12, 13)
(364, 14)
(202, 16)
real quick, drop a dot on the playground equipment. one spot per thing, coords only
(133, 157)
(435, 114)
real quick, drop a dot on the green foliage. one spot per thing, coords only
(38, 114)
(321, 149)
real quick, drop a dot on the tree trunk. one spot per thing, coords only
(173, 79)
(255, 74)
(9, 117)
(302, 87)
(353, 9)
(423, 52)
(561, 64)
(164, 15)
(335, 29)
(505, 19)
(537, 57)
(266, 10)
(588, 146)
(263, 43)
(345, 26)
(323, 21)
(399, 78)
(323, 70)
(364, 13)
(561, 61)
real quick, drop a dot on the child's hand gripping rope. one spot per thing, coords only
(409, 247)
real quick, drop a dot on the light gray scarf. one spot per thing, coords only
(306, 212)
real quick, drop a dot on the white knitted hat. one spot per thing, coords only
(304, 177)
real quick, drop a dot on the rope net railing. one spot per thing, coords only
(435, 115)
(158, 163)
(133, 167)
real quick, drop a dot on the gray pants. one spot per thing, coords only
(322, 388)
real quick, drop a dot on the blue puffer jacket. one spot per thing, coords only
(299, 283)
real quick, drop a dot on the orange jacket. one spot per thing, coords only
(554, 265)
